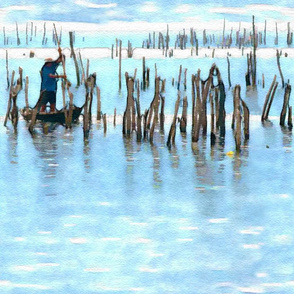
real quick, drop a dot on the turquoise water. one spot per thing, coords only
(116, 216)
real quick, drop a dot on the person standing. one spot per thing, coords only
(49, 81)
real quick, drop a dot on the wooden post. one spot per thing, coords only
(4, 37)
(183, 120)
(98, 103)
(285, 105)
(253, 66)
(63, 99)
(290, 123)
(277, 37)
(144, 73)
(70, 110)
(73, 54)
(139, 117)
(246, 119)
(9, 99)
(264, 35)
(119, 71)
(266, 102)
(17, 35)
(114, 117)
(104, 123)
(44, 34)
(179, 79)
(82, 67)
(229, 73)
(237, 115)
(34, 113)
(27, 92)
(279, 67)
(7, 70)
(172, 132)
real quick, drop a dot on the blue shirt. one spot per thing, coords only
(48, 83)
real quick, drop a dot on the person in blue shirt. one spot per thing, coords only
(49, 82)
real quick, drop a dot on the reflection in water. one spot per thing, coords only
(12, 146)
(287, 137)
(156, 166)
(47, 147)
(86, 154)
(174, 157)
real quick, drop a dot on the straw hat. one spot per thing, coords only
(48, 59)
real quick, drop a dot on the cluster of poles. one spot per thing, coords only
(209, 92)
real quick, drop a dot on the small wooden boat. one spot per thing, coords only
(54, 117)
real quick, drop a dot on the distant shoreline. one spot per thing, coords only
(139, 53)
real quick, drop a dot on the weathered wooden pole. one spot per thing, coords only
(139, 116)
(285, 105)
(73, 54)
(98, 103)
(17, 35)
(267, 105)
(119, 70)
(290, 123)
(7, 70)
(114, 117)
(237, 115)
(172, 132)
(277, 37)
(82, 68)
(279, 67)
(27, 93)
(63, 100)
(229, 73)
(246, 119)
(104, 123)
(44, 34)
(253, 66)
(183, 120)
(212, 120)
(264, 35)
(34, 113)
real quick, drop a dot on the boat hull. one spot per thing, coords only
(56, 117)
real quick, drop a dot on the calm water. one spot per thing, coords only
(117, 216)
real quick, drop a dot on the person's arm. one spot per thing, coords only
(57, 76)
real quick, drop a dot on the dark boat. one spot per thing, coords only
(55, 117)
